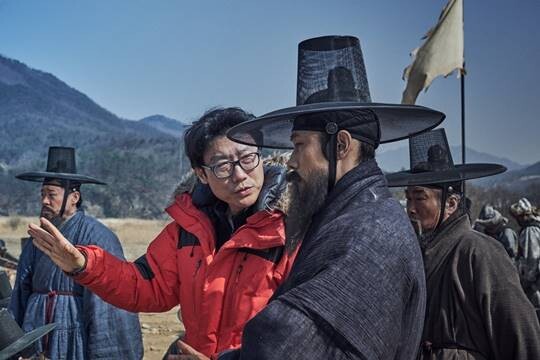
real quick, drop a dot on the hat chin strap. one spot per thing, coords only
(57, 220)
(444, 197)
(331, 151)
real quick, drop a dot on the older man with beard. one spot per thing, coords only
(86, 326)
(356, 290)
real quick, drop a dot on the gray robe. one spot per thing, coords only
(476, 308)
(529, 261)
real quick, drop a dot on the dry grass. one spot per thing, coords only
(134, 234)
(159, 330)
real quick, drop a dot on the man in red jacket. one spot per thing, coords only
(221, 258)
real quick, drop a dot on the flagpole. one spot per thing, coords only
(463, 157)
(463, 72)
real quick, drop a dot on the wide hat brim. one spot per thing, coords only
(39, 176)
(457, 173)
(397, 122)
(26, 340)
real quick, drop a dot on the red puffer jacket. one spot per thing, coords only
(218, 292)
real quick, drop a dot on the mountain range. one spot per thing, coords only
(37, 110)
(140, 160)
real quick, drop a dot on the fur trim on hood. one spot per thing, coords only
(490, 218)
(525, 210)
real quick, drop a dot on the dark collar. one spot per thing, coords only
(355, 180)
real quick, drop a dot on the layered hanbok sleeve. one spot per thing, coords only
(23, 283)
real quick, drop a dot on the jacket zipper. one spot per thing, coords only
(240, 268)
(193, 284)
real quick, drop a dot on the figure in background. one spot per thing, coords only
(528, 259)
(476, 308)
(492, 223)
(86, 326)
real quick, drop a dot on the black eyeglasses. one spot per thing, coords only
(225, 169)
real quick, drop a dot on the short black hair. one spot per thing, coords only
(212, 124)
(367, 151)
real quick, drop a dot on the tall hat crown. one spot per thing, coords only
(333, 94)
(431, 163)
(60, 166)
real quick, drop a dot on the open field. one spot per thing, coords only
(159, 330)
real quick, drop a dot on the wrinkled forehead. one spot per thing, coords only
(421, 190)
(223, 148)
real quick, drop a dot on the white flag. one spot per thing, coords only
(441, 53)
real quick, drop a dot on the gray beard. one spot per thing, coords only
(306, 198)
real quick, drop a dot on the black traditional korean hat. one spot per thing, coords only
(60, 166)
(432, 164)
(5, 290)
(61, 171)
(332, 95)
(14, 341)
(332, 77)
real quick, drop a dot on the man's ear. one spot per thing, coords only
(452, 204)
(201, 174)
(344, 144)
(75, 197)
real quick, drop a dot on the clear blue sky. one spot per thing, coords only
(178, 58)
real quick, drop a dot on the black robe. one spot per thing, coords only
(476, 308)
(357, 288)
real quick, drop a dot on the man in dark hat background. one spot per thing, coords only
(357, 289)
(491, 222)
(87, 327)
(476, 308)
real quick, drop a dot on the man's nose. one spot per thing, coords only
(411, 210)
(292, 164)
(238, 174)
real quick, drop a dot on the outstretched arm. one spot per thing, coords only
(149, 284)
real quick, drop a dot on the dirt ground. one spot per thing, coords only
(159, 330)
